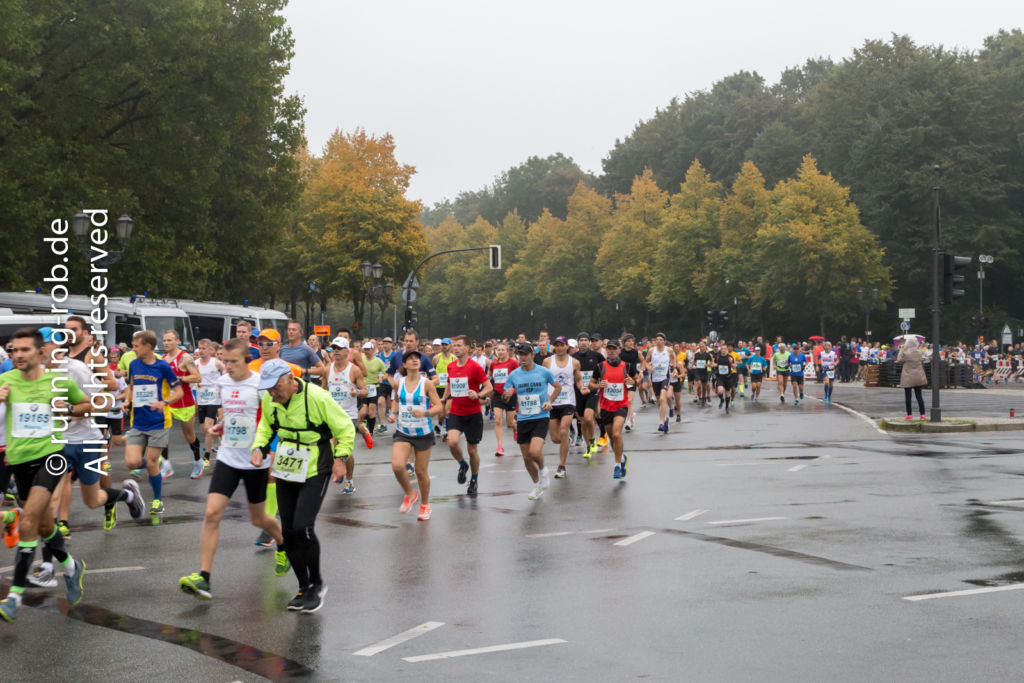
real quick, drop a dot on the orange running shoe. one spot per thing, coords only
(367, 438)
(11, 536)
(424, 512)
(407, 502)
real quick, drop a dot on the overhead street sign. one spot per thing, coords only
(907, 313)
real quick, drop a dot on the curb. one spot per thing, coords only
(949, 425)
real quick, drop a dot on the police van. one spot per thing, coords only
(217, 320)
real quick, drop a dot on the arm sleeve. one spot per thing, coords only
(75, 394)
(263, 432)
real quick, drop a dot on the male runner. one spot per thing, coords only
(184, 410)
(797, 360)
(828, 360)
(375, 372)
(724, 378)
(529, 383)
(629, 354)
(781, 358)
(467, 384)
(613, 378)
(346, 384)
(586, 398)
(758, 365)
(663, 366)
(441, 360)
(702, 361)
(501, 367)
(566, 371)
(298, 352)
(208, 397)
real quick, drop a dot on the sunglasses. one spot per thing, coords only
(267, 344)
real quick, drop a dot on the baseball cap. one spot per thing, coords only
(446, 340)
(270, 333)
(271, 371)
(368, 345)
(437, 342)
(339, 343)
(613, 342)
(583, 335)
(524, 349)
(596, 336)
(389, 340)
(47, 333)
(561, 340)
(573, 344)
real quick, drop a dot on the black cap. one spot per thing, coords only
(596, 336)
(524, 349)
(583, 335)
(613, 342)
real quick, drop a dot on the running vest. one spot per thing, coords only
(565, 376)
(613, 396)
(340, 384)
(207, 393)
(409, 424)
(660, 363)
(187, 399)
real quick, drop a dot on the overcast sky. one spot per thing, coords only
(471, 88)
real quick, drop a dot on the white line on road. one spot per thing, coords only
(691, 515)
(744, 521)
(399, 639)
(634, 538)
(862, 416)
(550, 535)
(796, 468)
(745, 464)
(1018, 501)
(971, 591)
(484, 650)
(90, 572)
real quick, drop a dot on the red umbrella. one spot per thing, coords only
(815, 338)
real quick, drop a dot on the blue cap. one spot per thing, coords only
(47, 333)
(271, 371)
(446, 340)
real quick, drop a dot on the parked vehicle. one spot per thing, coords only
(217, 320)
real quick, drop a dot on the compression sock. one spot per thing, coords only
(156, 481)
(55, 544)
(271, 499)
(22, 565)
(205, 575)
(114, 495)
(371, 422)
(195, 448)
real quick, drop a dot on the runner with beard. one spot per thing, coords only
(587, 398)
(612, 379)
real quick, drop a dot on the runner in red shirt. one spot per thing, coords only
(613, 380)
(184, 411)
(501, 367)
(467, 384)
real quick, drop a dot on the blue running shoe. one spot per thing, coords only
(625, 459)
(8, 609)
(617, 472)
(74, 583)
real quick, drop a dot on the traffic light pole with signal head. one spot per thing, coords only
(411, 283)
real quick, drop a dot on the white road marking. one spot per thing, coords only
(90, 572)
(971, 591)
(399, 639)
(796, 468)
(597, 531)
(744, 521)
(1017, 501)
(552, 534)
(862, 416)
(745, 464)
(634, 538)
(484, 650)
(691, 515)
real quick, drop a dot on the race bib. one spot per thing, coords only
(459, 387)
(143, 395)
(409, 422)
(238, 432)
(291, 464)
(529, 404)
(442, 379)
(723, 369)
(31, 420)
(701, 364)
(208, 395)
(615, 392)
(371, 391)
(831, 374)
(500, 375)
(587, 375)
(563, 396)
(795, 367)
(755, 368)
(660, 370)
(340, 391)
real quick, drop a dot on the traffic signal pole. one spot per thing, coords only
(936, 415)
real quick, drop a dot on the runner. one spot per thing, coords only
(243, 331)
(781, 359)
(410, 342)
(828, 359)
(586, 398)
(375, 370)
(32, 396)
(500, 369)
(304, 417)
(757, 364)
(680, 373)
(566, 371)
(238, 404)
(723, 373)
(415, 403)
(797, 360)
(346, 384)
(663, 367)
(208, 398)
(184, 410)
(612, 378)
(702, 362)
(154, 387)
(467, 384)
(629, 354)
(387, 354)
(444, 356)
(529, 382)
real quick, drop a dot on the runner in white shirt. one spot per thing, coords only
(828, 359)
(346, 384)
(566, 370)
(207, 398)
(237, 420)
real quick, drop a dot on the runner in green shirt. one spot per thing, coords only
(781, 358)
(375, 372)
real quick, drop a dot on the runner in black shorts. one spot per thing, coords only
(722, 371)
(587, 399)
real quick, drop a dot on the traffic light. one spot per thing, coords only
(495, 250)
(712, 319)
(723, 317)
(410, 318)
(975, 322)
(952, 275)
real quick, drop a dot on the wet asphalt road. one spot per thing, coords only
(803, 529)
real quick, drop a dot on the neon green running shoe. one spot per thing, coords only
(281, 563)
(110, 519)
(196, 586)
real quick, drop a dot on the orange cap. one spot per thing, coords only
(271, 334)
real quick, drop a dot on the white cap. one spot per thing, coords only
(340, 342)
(368, 345)
(573, 344)
(437, 342)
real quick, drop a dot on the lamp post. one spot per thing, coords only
(982, 260)
(867, 306)
(383, 300)
(80, 225)
(374, 290)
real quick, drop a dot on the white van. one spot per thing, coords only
(217, 320)
(11, 322)
(124, 315)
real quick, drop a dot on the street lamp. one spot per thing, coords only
(982, 260)
(80, 225)
(867, 306)
(372, 274)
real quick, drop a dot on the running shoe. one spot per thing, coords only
(591, 450)
(64, 529)
(110, 518)
(206, 462)
(628, 427)
(281, 563)
(166, 468)
(411, 470)
(909, 417)
(796, 401)
(923, 416)
(196, 586)
(367, 438)
(617, 472)
(197, 470)
(536, 493)
(679, 418)
(603, 441)
(74, 585)
(295, 604)
(43, 577)
(625, 460)
(545, 478)
(408, 501)
(313, 600)
(801, 395)
(349, 487)
(560, 472)
(463, 468)
(425, 511)
(157, 507)
(138, 504)
(672, 412)
(471, 491)
(265, 540)
(782, 399)
(136, 473)
(665, 427)
(11, 535)
(8, 609)
(381, 429)
(500, 452)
